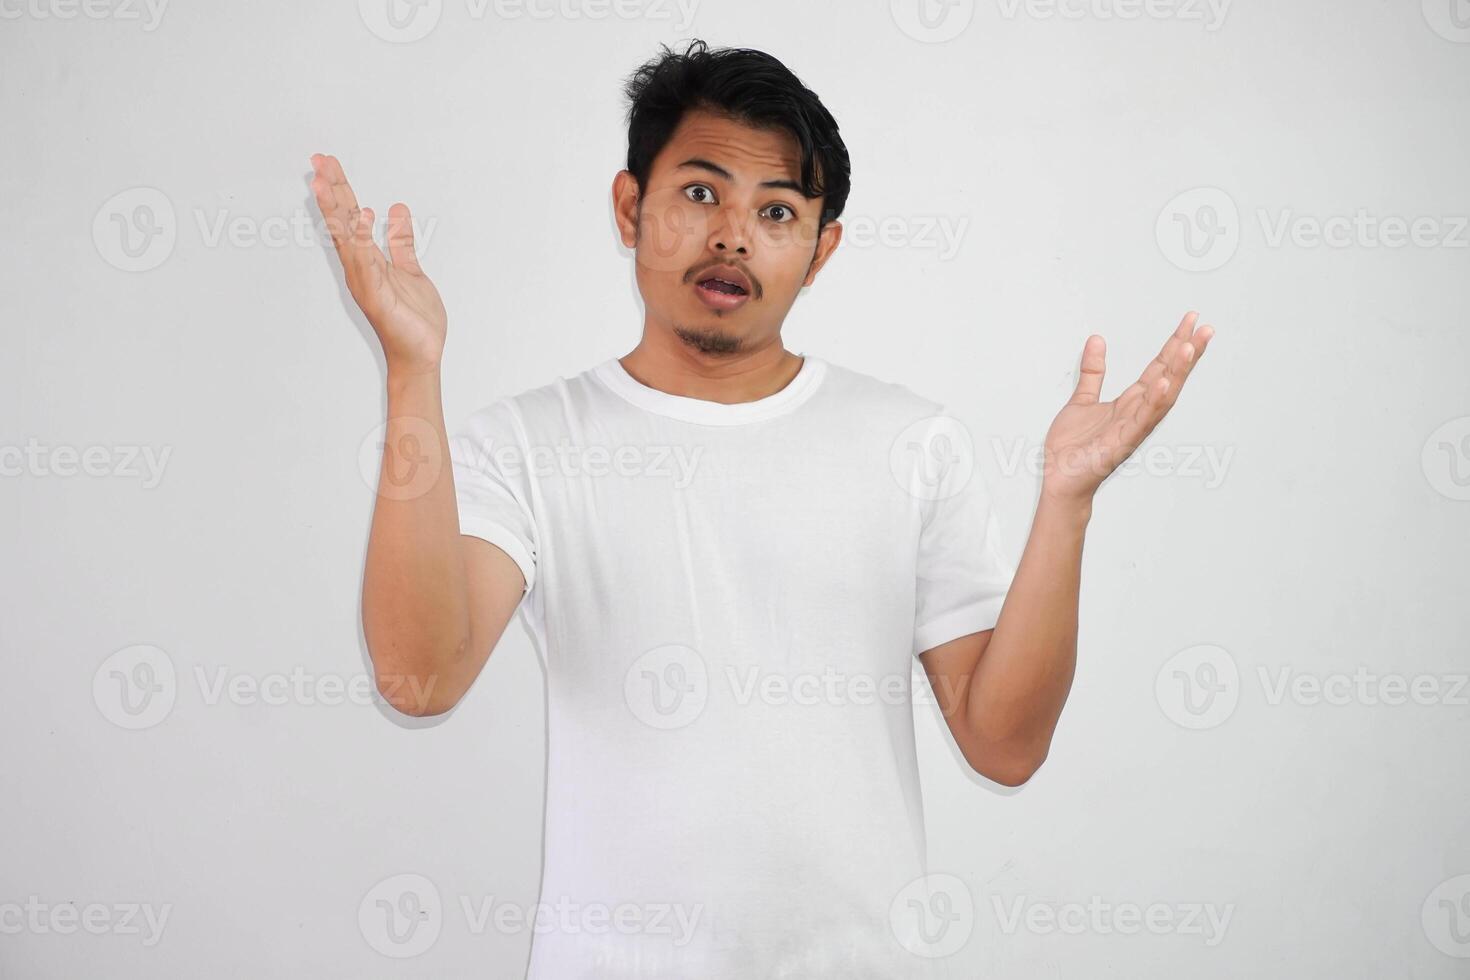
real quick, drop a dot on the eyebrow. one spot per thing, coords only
(718, 171)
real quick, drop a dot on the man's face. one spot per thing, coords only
(722, 203)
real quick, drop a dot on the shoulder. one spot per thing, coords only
(876, 399)
(535, 411)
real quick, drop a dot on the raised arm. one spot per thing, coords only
(1002, 691)
(434, 602)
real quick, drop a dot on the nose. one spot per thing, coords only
(728, 232)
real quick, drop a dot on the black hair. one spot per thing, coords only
(748, 86)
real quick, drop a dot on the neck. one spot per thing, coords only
(676, 368)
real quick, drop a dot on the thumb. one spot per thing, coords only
(400, 239)
(1090, 375)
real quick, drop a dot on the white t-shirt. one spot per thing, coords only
(729, 600)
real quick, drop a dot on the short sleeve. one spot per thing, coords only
(492, 486)
(961, 575)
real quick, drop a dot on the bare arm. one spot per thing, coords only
(1002, 699)
(1002, 690)
(434, 602)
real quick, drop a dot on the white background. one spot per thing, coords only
(1327, 537)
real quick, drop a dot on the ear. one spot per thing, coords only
(625, 198)
(826, 245)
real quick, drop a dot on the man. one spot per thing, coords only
(727, 555)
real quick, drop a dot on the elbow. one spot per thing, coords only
(411, 694)
(1009, 769)
(415, 691)
(1012, 777)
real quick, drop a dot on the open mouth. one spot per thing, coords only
(723, 288)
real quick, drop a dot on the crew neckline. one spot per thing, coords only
(705, 412)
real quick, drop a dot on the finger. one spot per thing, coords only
(1141, 416)
(1090, 374)
(337, 218)
(321, 190)
(1162, 359)
(361, 256)
(400, 239)
(1126, 405)
(1183, 362)
(1200, 340)
(334, 198)
(340, 187)
(1156, 402)
(1144, 389)
(1186, 325)
(365, 251)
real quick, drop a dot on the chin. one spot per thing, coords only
(713, 339)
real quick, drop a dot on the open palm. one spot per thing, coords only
(397, 298)
(1089, 438)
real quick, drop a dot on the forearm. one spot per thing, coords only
(415, 610)
(1021, 682)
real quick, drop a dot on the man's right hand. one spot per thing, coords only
(397, 298)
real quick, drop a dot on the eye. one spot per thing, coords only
(691, 190)
(788, 215)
